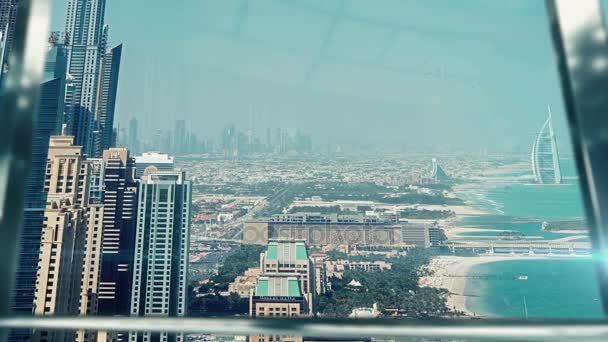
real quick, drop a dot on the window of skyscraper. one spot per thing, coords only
(347, 160)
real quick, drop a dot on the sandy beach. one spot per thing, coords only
(450, 272)
(459, 210)
(452, 232)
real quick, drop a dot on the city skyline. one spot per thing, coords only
(342, 166)
(447, 100)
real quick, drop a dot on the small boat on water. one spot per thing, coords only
(523, 277)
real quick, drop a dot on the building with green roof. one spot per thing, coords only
(278, 295)
(289, 257)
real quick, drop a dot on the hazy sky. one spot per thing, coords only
(398, 73)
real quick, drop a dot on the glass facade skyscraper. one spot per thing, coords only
(118, 239)
(48, 123)
(161, 249)
(107, 99)
(94, 76)
(84, 30)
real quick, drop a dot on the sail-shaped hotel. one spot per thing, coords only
(545, 158)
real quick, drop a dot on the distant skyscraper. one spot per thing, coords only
(161, 249)
(157, 140)
(179, 137)
(133, 142)
(70, 249)
(118, 238)
(107, 99)
(229, 141)
(48, 123)
(153, 161)
(437, 172)
(545, 158)
(268, 140)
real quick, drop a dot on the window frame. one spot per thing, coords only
(584, 109)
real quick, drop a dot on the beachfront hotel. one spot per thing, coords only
(545, 158)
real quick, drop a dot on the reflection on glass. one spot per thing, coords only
(333, 159)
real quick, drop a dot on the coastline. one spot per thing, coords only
(451, 273)
(454, 272)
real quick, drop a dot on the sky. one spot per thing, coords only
(389, 73)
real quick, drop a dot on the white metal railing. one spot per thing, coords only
(397, 329)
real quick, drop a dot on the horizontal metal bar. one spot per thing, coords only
(498, 330)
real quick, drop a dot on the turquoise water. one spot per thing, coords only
(556, 288)
(516, 205)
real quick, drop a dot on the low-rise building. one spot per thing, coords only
(289, 257)
(319, 260)
(417, 236)
(278, 296)
(243, 284)
(336, 268)
(323, 230)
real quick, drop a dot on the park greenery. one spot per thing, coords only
(394, 290)
(280, 195)
(235, 264)
(213, 301)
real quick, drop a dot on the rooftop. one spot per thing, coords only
(154, 158)
(278, 287)
(286, 252)
(156, 176)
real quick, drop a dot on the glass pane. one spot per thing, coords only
(332, 159)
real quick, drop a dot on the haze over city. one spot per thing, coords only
(405, 75)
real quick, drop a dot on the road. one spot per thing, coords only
(272, 203)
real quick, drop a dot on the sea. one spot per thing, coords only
(556, 288)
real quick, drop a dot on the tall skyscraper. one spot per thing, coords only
(48, 123)
(545, 157)
(118, 238)
(60, 265)
(8, 18)
(94, 74)
(161, 250)
(107, 99)
(84, 29)
(68, 264)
